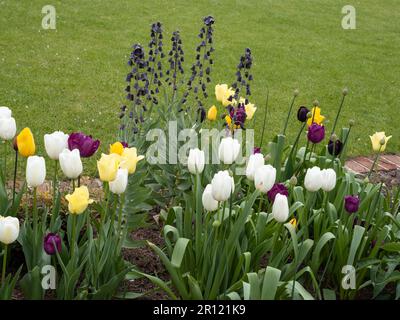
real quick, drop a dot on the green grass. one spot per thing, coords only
(72, 78)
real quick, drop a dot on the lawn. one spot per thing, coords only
(72, 78)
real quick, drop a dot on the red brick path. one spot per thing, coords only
(386, 162)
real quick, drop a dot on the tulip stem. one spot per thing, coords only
(288, 115)
(337, 115)
(35, 215)
(5, 162)
(3, 273)
(73, 235)
(55, 182)
(15, 175)
(121, 205)
(375, 161)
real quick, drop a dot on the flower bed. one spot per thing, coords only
(273, 220)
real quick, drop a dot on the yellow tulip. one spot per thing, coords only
(293, 222)
(26, 143)
(79, 200)
(228, 120)
(249, 107)
(212, 113)
(225, 100)
(316, 116)
(129, 159)
(108, 166)
(220, 91)
(222, 94)
(379, 141)
(116, 148)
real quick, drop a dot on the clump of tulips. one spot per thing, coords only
(67, 242)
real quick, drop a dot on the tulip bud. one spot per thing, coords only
(264, 178)
(216, 224)
(316, 133)
(52, 243)
(5, 112)
(196, 161)
(55, 143)
(79, 200)
(313, 179)
(15, 144)
(303, 114)
(328, 177)
(26, 143)
(222, 186)
(9, 229)
(229, 149)
(108, 166)
(118, 186)
(351, 203)
(35, 171)
(280, 208)
(8, 128)
(293, 181)
(209, 203)
(255, 161)
(71, 163)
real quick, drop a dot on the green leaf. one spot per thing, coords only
(179, 252)
(270, 283)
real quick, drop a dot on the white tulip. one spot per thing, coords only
(229, 149)
(313, 179)
(9, 229)
(222, 185)
(196, 161)
(209, 203)
(118, 186)
(264, 178)
(35, 171)
(255, 161)
(328, 177)
(5, 112)
(55, 143)
(280, 208)
(8, 128)
(71, 163)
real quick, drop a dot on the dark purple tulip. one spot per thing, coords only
(335, 148)
(316, 133)
(351, 203)
(277, 188)
(256, 150)
(124, 144)
(86, 145)
(302, 114)
(51, 242)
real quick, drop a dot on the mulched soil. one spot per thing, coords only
(147, 261)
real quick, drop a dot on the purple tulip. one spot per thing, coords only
(124, 144)
(277, 188)
(351, 203)
(335, 148)
(85, 144)
(316, 133)
(256, 150)
(302, 114)
(51, 242)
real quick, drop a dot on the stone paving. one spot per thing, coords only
(387, 162)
